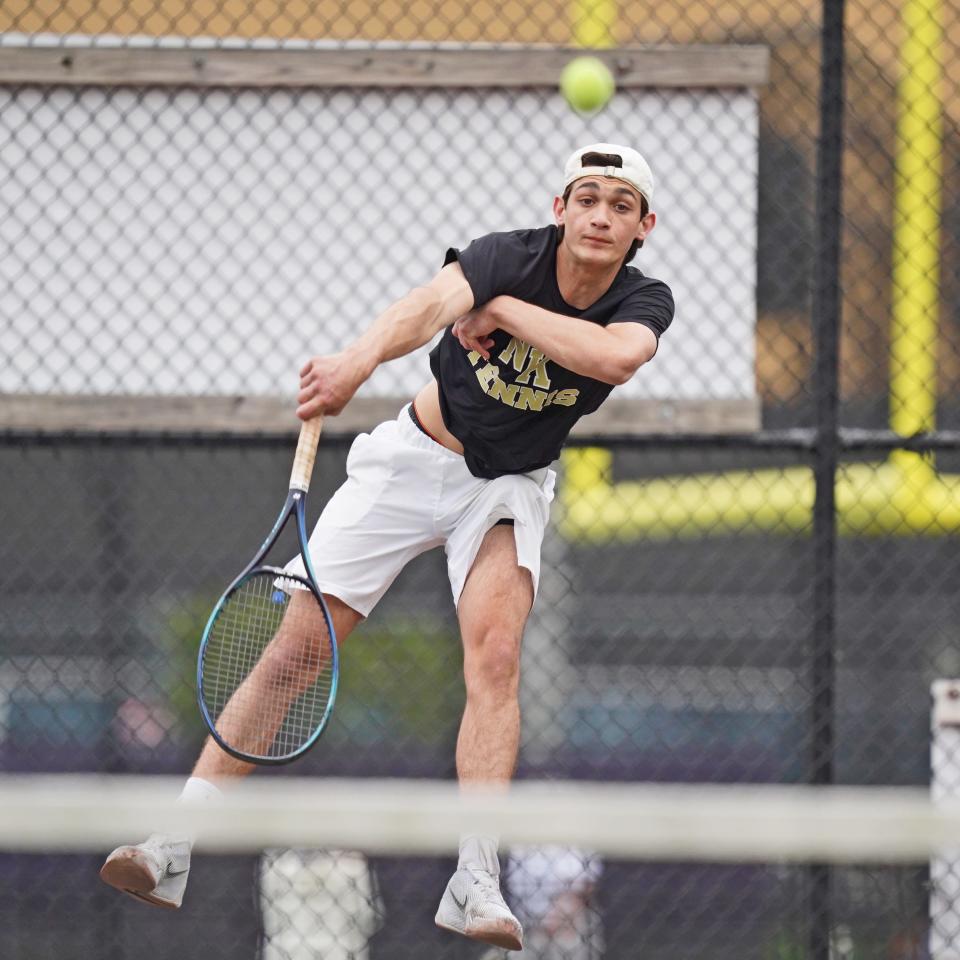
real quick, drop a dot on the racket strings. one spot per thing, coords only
(268, 667)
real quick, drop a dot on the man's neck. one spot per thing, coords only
(581, 285)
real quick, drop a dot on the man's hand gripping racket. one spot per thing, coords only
(268, 665)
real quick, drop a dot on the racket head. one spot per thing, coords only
(270, 633)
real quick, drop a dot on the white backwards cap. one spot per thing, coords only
(610, 160)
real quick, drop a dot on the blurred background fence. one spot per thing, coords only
(751, 571)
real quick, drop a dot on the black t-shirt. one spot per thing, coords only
(513, 413)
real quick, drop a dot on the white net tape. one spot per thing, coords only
(696, 822)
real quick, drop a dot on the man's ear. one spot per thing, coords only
(559, 209)
(646, 225)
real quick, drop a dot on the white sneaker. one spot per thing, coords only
(154, 871)
(472, 905)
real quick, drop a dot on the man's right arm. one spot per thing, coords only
(328, 382)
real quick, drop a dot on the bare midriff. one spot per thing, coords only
(427, 407)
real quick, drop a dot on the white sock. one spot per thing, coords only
(197, 792)
(478, 851)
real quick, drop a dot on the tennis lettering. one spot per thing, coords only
(527, 363)
(518, 352)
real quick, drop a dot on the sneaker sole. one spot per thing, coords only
(504, 936)
(499, 933)
(128, 870)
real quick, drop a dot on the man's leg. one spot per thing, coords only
(155, 871)
(214, 766)
(493, 610)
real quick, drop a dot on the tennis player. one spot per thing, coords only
(538, 327)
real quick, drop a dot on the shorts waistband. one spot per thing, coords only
(414, 433)
(412, 407)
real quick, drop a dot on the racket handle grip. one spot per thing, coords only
(306, 453)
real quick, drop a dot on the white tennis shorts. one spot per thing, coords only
(404, 494)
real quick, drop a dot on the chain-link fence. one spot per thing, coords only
(197, 198)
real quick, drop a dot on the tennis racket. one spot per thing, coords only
(268, 665)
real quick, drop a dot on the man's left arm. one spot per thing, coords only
(611, 354)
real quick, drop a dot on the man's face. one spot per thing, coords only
(601, 219)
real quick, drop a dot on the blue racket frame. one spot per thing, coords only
(295, 504)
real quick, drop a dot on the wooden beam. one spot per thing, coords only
(77, 413)
(470, 67)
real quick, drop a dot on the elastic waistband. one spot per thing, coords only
(414, 433)
(412, 407)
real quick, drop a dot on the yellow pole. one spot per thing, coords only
(916, 240)
(902, 497)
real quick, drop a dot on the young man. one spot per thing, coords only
(538, 326)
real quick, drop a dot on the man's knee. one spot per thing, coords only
(492, 662)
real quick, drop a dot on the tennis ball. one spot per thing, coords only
(586, 84)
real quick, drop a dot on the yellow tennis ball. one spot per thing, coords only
(587, 84)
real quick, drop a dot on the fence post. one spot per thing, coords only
(826, 323)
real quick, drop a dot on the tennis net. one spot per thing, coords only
(706, 822)
(353, 869)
